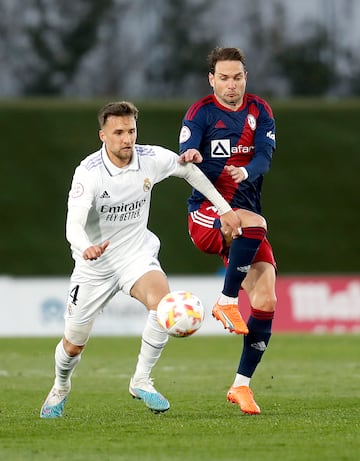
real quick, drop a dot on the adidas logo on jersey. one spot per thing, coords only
(220, 124)
(105, 195)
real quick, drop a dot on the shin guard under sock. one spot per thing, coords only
(242, 252)
(64, 367)
(256, 341)
(153, 341)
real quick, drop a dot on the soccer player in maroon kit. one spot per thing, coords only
(230, 134)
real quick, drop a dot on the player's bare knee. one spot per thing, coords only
(263, 301)
(269, 302)
(72, 349)
(76, 337)
(250, 219)
(258, 221)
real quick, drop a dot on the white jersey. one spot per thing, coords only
(118, 200)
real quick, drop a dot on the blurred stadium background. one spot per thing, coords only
(61, 61)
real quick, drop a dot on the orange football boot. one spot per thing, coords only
(243, 396)
(230, 317)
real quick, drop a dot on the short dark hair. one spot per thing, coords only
(225, 54)
(119, 109)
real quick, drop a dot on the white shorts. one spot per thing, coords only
(88, 296)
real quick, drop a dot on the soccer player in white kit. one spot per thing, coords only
(113, 250)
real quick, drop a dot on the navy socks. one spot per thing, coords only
(242, 252)
(256, 341)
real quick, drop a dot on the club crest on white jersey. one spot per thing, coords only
(147, 185)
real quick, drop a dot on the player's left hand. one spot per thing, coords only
(191, 156)
(230, 225)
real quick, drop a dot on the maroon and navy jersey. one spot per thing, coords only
(245, 137)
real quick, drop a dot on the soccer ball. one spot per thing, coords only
(180, 313)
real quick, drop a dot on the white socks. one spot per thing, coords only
(224, 300)
(153, 341)
(64, 367)
(241, 380)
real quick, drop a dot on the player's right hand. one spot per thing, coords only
(95, 251)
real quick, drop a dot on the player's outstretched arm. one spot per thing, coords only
(196, 178)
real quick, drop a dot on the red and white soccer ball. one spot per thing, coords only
(180, 313)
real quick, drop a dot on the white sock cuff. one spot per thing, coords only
(153, 315)
(225, 300)
(241, 380)
(63, 360)
(153, 333)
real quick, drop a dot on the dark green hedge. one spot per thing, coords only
(310, 196)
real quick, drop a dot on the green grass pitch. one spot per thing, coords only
(308, 388)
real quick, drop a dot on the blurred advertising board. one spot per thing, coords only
(317, 304)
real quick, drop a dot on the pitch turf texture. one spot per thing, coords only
(308, 389)
(310, 199)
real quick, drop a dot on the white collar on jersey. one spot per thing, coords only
(115, 170)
